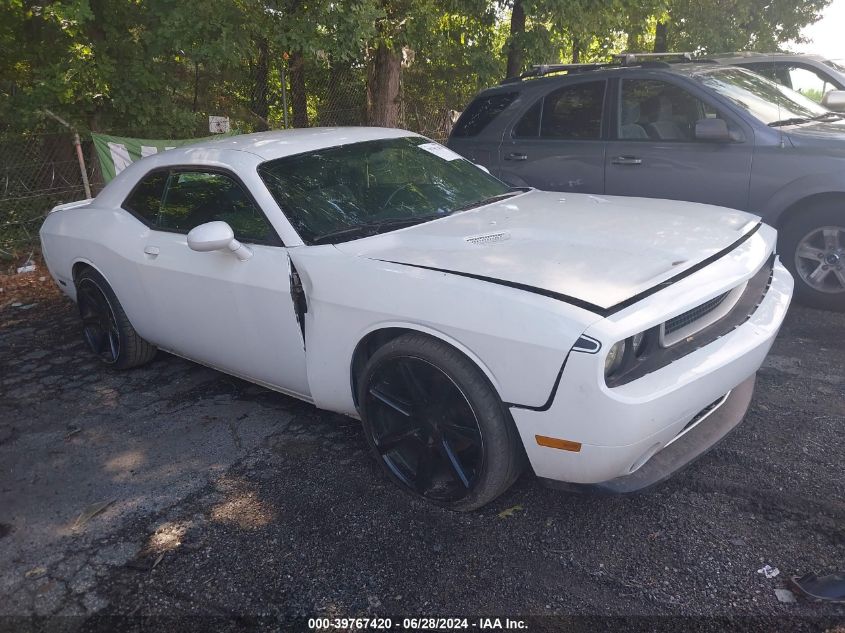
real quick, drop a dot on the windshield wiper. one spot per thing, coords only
(793, 121)
(827, 115)
(486, 201)
(372, 228)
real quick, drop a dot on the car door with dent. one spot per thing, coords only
(236, 316)
(558, 143)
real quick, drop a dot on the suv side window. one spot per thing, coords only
(807, 81)
(192, 198)
(481, 113)
(573, 112)
(568, 113)
(656, 110)
(145, 199)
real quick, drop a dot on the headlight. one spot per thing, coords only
(628, 353)
(614, 358)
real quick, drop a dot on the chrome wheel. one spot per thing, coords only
(820, 259)
(99, 325)
(424, 429)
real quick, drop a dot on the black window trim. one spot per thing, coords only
(614, 114)
(542, 101)
(171, 169)
(514, 94)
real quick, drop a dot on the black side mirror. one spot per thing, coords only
(714, 130)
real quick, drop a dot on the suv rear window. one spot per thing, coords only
(481, 113)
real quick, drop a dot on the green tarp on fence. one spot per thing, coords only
(116, 153)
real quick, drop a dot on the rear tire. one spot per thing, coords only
(436, 425)
(812, 245)
(106, 329)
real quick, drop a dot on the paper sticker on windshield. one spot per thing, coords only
(438, 150)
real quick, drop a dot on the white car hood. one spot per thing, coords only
(599, 251)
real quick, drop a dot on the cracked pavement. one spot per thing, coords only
(220, 499)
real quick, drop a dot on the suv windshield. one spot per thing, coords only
(344, 192)
(770, 102)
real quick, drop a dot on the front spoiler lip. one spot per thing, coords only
(679, 454)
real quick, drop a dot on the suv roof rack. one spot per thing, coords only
(539, 70)
(620, 60)
(628, 59)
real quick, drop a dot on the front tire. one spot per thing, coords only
(812, 245)
(436, 425)
(106, 329)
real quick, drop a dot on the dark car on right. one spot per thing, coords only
(697, 131)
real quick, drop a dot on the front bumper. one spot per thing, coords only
(712, 427)
(625, 431)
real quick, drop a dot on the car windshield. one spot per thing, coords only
(344, 192)
(770, 102)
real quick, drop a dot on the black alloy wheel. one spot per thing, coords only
(105, 327)
(99, 325)
(424, 428)
(436, 425)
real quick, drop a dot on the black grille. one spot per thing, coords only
(690, 316)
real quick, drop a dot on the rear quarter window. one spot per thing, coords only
(145, 200)
(481, 113)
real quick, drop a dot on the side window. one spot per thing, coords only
(658, 111)
(481, 113)
(573, 112)
(808, 83)
(774, 71)
(529, 124)
(145, 199)
(194, 197)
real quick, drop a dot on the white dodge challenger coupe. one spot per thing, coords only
(469, 325)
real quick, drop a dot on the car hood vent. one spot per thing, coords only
(488, 238)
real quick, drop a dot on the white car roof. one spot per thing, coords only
(281, 143)
(242, 152)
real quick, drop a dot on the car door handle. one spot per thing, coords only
(516, 156)
(627, 160)
(152, 251)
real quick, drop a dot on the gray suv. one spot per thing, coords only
(702, 132)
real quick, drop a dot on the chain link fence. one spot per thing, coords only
(37, 172)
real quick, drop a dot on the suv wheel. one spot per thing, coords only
(812, 245)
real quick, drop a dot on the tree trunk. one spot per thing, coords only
(514, 67)
(576, 50)
(298, 96)
(660, 31)
(383, 86)
(260, 88)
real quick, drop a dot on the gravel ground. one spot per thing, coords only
(177, 492)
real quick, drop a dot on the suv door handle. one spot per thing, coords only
(627, 160)
(516, 156)
(152, 251)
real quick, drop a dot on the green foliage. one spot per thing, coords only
(158, 68)
(715, 26)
